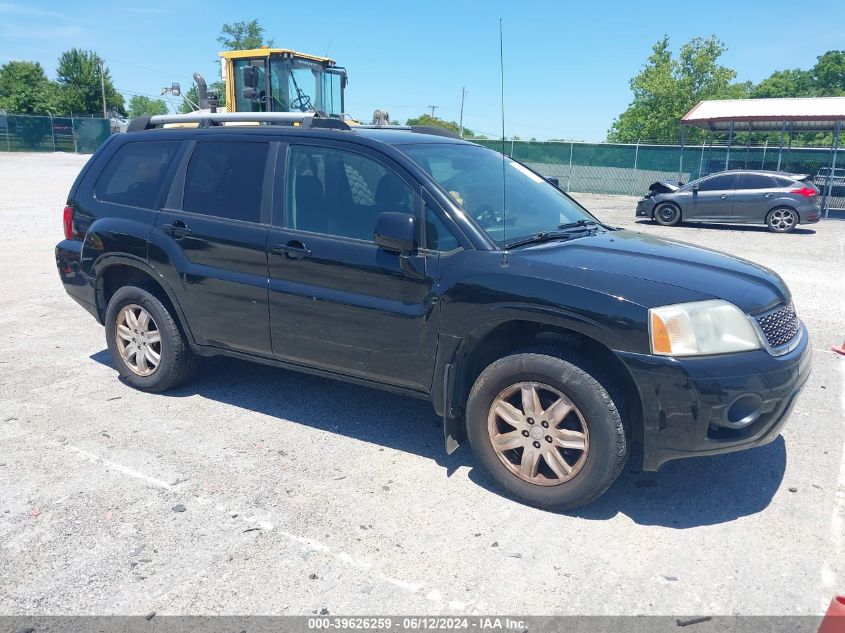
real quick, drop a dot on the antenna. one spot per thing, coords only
(504, 190)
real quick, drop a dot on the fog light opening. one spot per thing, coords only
(743, 411)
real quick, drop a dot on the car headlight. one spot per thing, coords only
(699, 328)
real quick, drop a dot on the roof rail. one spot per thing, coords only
(208, 119)
(418, 129)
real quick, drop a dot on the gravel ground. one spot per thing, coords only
(260, 491)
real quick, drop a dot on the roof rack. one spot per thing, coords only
(418, 129)
(210, 119)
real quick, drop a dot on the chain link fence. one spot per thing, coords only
(629, 169)
(83, 135)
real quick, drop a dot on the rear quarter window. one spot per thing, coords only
(135, 174)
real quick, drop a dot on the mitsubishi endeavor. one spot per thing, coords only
(411, 261)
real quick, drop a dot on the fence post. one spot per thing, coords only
(511, 147)
(569, 174)
(730, 140)
(763, 162)
(53, 132)
(634, 176)
(681, 159)
(701, 162)
(834, 147)
(780, 149)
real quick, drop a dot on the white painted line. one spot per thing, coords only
(307, 543)
(120, 468)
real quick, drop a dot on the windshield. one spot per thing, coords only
(297, 85)
(472, 175)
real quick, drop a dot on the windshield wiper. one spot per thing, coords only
(579, 224)
(539, 238)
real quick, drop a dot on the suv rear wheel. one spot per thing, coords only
(146, 345)
(546, 430)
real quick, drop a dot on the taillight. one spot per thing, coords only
(807, 192)
(67, 220)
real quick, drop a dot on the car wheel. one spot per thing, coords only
(145, 342)
(667, 214)
(546, 430)
(782, 220)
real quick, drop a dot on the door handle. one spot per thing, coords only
(177, 229)
(768, 195)
(293, 249)
(724, 195)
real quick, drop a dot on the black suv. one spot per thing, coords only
(423, 264)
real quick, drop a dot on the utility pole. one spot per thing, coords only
(433, 108)
(463, 96)
(102, 87)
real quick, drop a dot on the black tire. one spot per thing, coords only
(608, 444)
(667, 214)
(177, 361)
(782, 220)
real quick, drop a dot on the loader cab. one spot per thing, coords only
(280, 80)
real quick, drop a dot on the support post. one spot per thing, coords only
(763, 161)
(569, 175)
(53, 132)
(701, 162)
(834, 147)
(681, 159)
(780, 149)
(789, 147)
(730, 140)
(634, 178)
(748, 145)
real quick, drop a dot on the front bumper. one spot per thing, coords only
(687, 401)
(645, 207)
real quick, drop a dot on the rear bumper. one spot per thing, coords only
(77, 285)
(810, 214)
(687, 403)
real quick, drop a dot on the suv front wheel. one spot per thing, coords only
(146, 345)
(546, 430)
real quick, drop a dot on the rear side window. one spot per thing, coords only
(717, 183)
(225, 180)
(784, 182)
(135, 174)
(754, 181)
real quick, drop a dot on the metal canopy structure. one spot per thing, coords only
(805, 114)
(802, 114)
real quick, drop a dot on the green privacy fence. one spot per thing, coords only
(629, 169)
(20, 133)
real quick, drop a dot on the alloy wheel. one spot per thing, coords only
(138, 339)
(782, 219)
(538, 433)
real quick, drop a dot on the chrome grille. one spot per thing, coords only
(779, 326)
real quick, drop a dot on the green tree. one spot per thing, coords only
(785, 83)
(243, 35)
(427, 119)
(829, 74)
(78, 74)
(140, 105)
(192, 97)
(666, 88)
(25, 89)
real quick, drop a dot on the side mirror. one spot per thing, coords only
(553, 181)
(695, 187)
(395, 232)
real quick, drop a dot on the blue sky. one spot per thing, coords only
(567, 65)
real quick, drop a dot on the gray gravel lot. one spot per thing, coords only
(303, 494)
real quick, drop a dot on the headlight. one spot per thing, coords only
(699, 328)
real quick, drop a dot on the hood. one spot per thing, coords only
(664, 186)
(628, 256)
